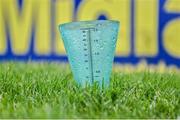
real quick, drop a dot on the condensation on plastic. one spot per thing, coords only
(90, 46)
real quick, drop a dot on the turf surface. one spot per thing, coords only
(42, 90)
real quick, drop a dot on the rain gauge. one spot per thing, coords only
(90, 47)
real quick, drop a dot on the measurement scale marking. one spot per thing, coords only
(90, 50)
(90, 53)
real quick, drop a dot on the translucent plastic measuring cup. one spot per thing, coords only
(90, 46)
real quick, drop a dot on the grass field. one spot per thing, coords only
(42, 90)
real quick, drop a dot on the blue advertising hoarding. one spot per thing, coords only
(150, 29)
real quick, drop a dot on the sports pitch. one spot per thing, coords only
(47, 90)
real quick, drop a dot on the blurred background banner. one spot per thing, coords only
(150, 29)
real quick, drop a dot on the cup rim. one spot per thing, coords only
(71, 24)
